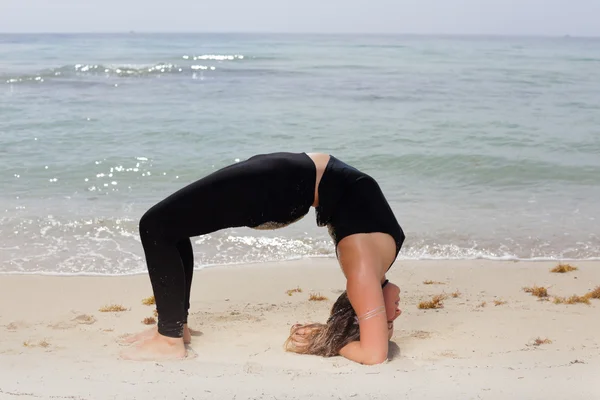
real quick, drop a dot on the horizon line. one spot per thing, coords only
(341, 33)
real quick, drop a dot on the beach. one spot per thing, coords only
(56, 344)
(486, 149)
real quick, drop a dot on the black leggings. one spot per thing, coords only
(272, 188)
(165, 232)
(172, 305)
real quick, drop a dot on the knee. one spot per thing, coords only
(150, 225)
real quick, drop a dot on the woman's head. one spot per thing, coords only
(340, 329)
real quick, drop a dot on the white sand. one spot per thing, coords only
(459, 352)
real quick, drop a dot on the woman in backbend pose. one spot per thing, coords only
(270, 191)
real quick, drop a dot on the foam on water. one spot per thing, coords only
(111, 246)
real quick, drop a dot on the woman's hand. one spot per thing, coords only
(391, 323)
(392, 299)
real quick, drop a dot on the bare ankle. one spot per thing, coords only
(169, 339)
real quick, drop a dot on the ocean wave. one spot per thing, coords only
(214, 57)
(111, 247)
(70, 71)
(189, 64)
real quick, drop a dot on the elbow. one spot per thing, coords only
(376, 358)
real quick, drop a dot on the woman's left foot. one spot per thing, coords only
(149, 333)
(156, 348)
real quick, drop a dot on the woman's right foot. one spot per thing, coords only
(156, 348)
(149, 333)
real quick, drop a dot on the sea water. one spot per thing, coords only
(485, 147)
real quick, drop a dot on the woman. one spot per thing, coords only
(270, 191)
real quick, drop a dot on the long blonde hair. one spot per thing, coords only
(329, 338)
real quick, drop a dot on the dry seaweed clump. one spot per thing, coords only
(563, 268)
(594, 294)
(316, 297)
(113, 308)
(572, 300)
(430, 282)
(455, 294)
(435, 302)
(43, 343)
(538, 291)
(540, 341)
(292, 291)
(149, 301)
(149, 321)
(499, 302)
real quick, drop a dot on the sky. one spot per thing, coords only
(494, 17)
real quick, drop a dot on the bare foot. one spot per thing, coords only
(149, 333)
(156, 348)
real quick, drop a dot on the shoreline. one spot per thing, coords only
(55, 343)
(291, 261)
